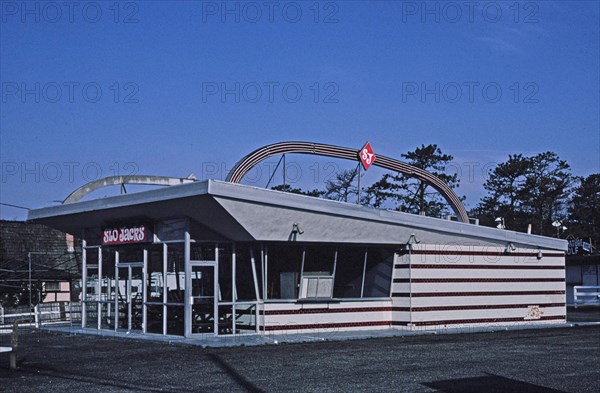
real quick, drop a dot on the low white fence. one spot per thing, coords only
(585, 295)
(41, 314)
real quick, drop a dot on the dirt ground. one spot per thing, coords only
(544, 360)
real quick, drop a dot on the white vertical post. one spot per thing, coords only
(83, 282)
(30, 300)
(362, 286)
(255, 275)
(144, 289)
(164, 286)
(99, 290)
(300, 283)
(187, 291)
(117, 286)
(233, 289)
(334, 264)
(216, 291)
(128, 296)
(256, 290)
(263, 262)
(36, 315)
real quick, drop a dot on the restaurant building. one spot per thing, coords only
(219, 258)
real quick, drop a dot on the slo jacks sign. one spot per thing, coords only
(126, 235)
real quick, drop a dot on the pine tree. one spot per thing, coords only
(584, 209)
(402, 192)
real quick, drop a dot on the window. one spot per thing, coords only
(350, 265)
(225, 274)
(243, 271)
(283, 271)
(317, 276)
(174, 285)
(378, 276)
(52, 286)
(203, 252)
(175, 280)
(91, 291)
(319, 259)
(155, 280)
(324, 271)
(314, 285)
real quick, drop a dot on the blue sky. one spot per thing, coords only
(92, 89)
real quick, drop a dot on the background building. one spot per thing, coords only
(38, 255)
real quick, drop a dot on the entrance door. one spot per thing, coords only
(130, 297)
(205, 318)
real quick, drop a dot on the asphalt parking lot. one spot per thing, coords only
(541, 360)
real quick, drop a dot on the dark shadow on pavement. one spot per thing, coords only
(49, 372)
(237, 377)
(489, 383)
(583, 314)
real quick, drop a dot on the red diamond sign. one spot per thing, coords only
(366, 156)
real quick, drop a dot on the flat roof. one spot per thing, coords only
(245, 213)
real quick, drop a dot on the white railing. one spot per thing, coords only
(584, 295)
(42, 314)
(9, 315)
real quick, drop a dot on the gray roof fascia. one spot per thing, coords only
(326, 206)
(302, 202)
(119, 201)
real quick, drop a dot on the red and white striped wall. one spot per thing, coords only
(458, 286)
(295, 317)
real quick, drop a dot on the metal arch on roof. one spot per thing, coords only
(248, 162)
(252, 159)
(120, 180)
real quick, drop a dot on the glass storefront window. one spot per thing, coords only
(155, 279)
(225, 274)
(107, 319)
(283, 271)
(175, 281)
(91, 314)
(349, 272)
(243, 272)
(202, 252)
(108, 291)
(378, 277)
(175, 324)
(91, 291)
(130, 253)
(174, 285)
(154, 318)
(319, 259)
